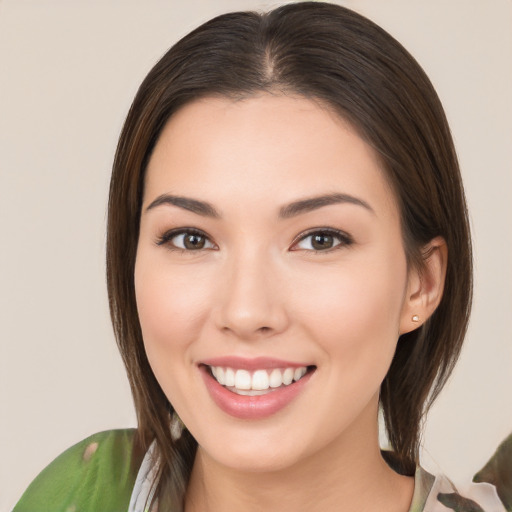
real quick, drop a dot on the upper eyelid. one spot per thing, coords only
(168, 235)
(331, 231)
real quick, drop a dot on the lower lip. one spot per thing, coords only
(252, 407)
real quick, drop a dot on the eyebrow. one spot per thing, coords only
(206, 209)
(187, 203)
(313, 203)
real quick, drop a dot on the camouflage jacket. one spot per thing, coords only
(108, 472)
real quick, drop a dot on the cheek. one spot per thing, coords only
(171, 308)
(354, 312)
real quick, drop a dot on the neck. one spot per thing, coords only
(348, 474)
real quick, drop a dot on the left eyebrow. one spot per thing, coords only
(313, 203)
(187, 203)
(288, 211)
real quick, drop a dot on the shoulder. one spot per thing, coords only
(95, 474)
(498, 472)
(438, 494)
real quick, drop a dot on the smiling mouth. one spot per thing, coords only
(257, 382)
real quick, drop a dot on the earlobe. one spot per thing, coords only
(425, 286)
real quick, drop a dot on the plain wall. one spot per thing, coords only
(68, 73)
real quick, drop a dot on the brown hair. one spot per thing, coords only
(327, 52)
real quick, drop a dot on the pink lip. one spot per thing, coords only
(257, 363)
(252, 407)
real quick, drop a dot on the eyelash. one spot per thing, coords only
(169, 235)
(344, 239)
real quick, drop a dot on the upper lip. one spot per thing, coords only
(256, 363)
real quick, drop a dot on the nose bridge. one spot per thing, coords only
(251, 304)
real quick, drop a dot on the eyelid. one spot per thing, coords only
(169, 235)
(344, 238)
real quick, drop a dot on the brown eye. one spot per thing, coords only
(186, 240)
(322, 241)
(193, 241)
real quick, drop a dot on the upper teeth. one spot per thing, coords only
(259, 380)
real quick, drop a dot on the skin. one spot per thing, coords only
(258, 287)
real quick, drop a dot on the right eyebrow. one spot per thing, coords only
(293, 209)
(313, 203)
(194, 205)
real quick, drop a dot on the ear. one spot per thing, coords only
(425, 286)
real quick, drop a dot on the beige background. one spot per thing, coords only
(68, 72)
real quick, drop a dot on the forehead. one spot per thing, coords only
(264, 148)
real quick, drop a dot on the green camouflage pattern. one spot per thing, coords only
(99, 474)
(498, 472)
(95, 475)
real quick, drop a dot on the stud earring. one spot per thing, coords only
(415, 318)
(177, 426)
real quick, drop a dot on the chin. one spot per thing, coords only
(256, 452)
(255, 461)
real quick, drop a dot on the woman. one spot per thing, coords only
(288, 250)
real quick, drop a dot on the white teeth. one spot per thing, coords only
(220, 376)
(276, 378)
(229, 376)
(299, 373)
(242, 379)
(259, 382)
(250, 392)
(288, 376)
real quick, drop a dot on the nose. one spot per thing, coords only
(251, 304)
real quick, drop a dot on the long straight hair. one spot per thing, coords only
(332, 54)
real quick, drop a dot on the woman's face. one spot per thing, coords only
(270, 250)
